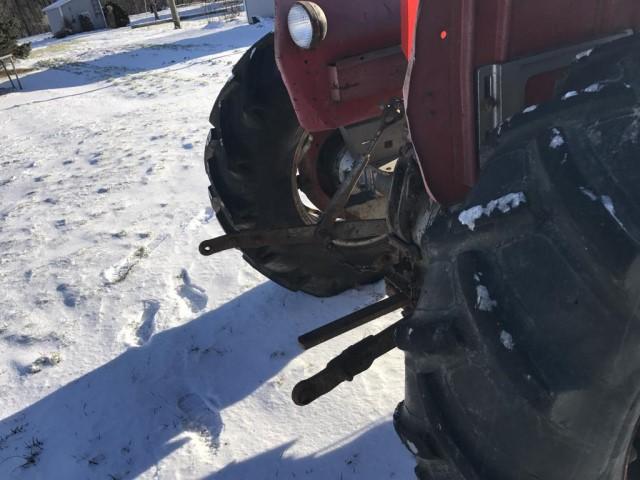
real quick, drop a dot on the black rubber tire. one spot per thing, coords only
(249, 160)
(544, 383)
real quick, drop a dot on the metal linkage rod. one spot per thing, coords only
(353, 320)
(349, 230)
(350, 363)
(392, 114)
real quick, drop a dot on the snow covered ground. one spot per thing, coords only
(196, 8)
(123, 353)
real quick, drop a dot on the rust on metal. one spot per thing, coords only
(392, 114)
(349, 230)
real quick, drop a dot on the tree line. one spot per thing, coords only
(28, 16)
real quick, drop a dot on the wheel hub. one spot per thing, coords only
(322, 163)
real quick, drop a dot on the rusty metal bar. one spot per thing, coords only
(352, 321)
(349, 230)
(350, 363)
(393, 113)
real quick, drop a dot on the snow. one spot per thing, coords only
(530, 109)
(589, 193)
(123, 352)
(557, 140)
(470, 216)
(584, 54)
(505, 204)
(484, 303)
(570, 94)
(412, 447)
(186, 11)
(507, 340)
(594, 88)
(606, 202)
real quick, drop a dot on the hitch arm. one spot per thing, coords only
(352, 321)
(350, 363)
(393, 112)
(348, 230)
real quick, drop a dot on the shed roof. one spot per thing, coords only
(56, 4)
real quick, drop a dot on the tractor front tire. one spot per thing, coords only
(523, 354)
(249, 160)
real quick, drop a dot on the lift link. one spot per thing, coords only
(393, 113)
(353, 320)
(354, 360)
(328, 228)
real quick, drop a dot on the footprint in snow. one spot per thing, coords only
(147, 321)
(69, 295)
(201, 416)
(7, 181)
(206, 215)
(40, 363)
(193, 294)
(118, 272)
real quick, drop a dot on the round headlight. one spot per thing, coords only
(307, 24)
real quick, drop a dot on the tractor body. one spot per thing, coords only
(483, 158)
(453, 94)
(352, 72)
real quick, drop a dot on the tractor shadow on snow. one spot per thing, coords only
(120, 69)
(373, 454)
(123, 418)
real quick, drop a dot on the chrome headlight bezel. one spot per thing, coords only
(307, 24)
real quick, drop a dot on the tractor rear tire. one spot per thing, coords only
(523, 354)
(249, 160)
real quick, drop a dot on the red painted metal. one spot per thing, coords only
(360, 77)
(355, 28)
(439, 98)
(409, 13)
(439, 91)
(309, 176)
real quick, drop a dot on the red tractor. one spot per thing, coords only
(483, 157)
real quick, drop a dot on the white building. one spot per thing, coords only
(70, 11)
(259, 8)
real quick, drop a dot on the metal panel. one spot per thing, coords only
(502, 88)
(439, 91)
(362, 76)
(440, 98)
(355, 28)
(409, 11)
